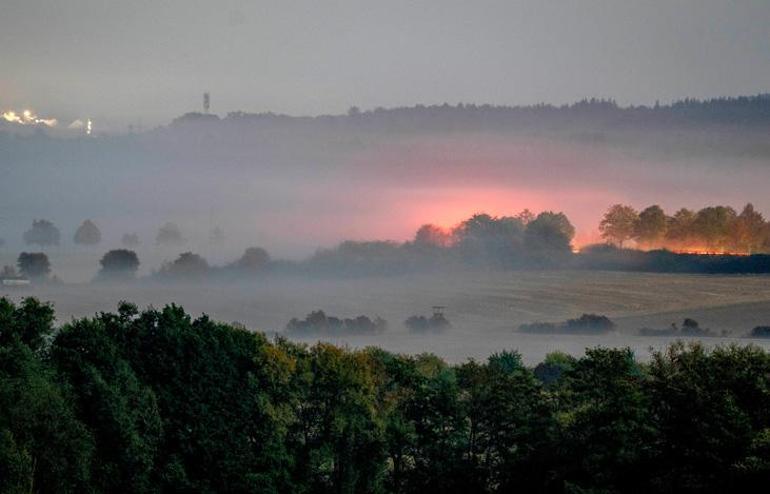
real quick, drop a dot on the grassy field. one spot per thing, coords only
(484, 308)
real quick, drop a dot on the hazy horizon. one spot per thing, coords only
(142, 64)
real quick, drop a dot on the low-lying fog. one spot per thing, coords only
(292, 189)
(292, 185)
(485, 309)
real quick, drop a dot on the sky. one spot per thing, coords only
(143, 63)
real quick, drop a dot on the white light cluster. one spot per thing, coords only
(28, 117)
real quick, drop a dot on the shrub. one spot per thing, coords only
(319, 323)
(585, 324)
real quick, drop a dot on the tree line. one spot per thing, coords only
(713, 229)
(45, 233)
(742, 110)
(482, 240)
(159, 401)
(123, 265)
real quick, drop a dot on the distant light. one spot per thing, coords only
(88, 127)
(27, 117)
(11, 116)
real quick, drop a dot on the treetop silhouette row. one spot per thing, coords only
(45, 233)
(713, 229)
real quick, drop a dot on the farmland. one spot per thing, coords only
(485, 308)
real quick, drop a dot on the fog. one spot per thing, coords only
(292, 185)
(485, 309)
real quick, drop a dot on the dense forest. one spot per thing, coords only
(159, 401)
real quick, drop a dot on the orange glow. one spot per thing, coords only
(445, 181)
(709, 251)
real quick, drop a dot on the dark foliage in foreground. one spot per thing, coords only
(157, 401)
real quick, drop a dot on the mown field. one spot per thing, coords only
(485, 308)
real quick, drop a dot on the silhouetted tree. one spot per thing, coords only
(317, 322)
(713, 225)
(549, 236)
(526, 216)
(435, 322)
(169, 234)
(618, 224)
(187, 265)
(42, 233)
(484, 239)
(254, 259)
(680, 227)
(119, 264)
(34, 265)
(432, 236)
(88, 234)
(651, 227)
(749, 230)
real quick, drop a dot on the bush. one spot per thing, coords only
(690, 327)
(761, 332)
(436, 322)
(591, 323)
(585, 324)
(253, 260)
(317, 322)
(186, 266)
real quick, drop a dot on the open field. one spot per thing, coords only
(484, 308)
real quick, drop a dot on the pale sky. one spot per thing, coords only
(145, 62)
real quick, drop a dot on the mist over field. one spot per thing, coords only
(384, 247)
(288, 160)
(292, 185)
